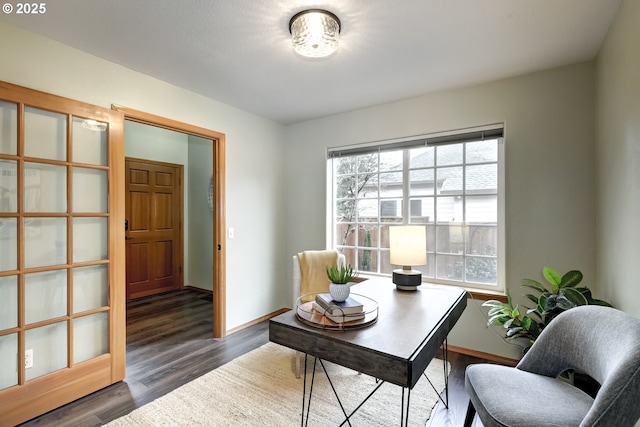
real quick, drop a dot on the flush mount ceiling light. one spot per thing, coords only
(315, 33)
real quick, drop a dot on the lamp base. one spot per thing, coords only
(407, 280)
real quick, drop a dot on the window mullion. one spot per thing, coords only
(406, 208)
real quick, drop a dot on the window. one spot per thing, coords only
(450, 183)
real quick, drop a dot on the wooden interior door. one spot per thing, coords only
(153, 227)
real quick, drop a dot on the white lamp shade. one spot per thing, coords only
(408, 245)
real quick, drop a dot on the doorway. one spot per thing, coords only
(218, 254)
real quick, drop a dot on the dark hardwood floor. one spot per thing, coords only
(169, 344)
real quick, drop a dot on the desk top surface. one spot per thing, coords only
(407, 322)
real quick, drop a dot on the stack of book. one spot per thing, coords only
(348, 310)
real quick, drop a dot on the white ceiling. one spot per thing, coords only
(239, 51)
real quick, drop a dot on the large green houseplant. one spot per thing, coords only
(559, 294)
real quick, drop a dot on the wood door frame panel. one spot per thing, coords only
(219, 209)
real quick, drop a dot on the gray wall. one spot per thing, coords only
(200, 217)
(618, 154)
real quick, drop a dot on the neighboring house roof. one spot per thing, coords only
(481, 178)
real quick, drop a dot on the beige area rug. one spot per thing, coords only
(260, 389)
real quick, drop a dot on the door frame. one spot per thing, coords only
(219, 216)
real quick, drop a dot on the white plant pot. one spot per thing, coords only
(339, 292)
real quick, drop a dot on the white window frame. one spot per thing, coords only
(412, 142)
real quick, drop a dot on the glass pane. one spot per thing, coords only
(45, 188)
(89, 190)
(391, 161)
(368, 210)
(482, 151)
(90, 337)
(345, 234)
(89, 141)
(89, 239)
(45, 134)
(349, 255)
(90, 288)
(450, 267)
(449, 180)
(346, 187)
(449, 155)
(449, 209)
(450, 238)
(367, 163)
(482, 240)
(9, 365)
(367, 185)
(385, 262)
(422, 210)
(421, 157)
(391, 184)
(482, 178)
(8, 244)
(368, 236)
(390, 210)
(431, 239)
(45, 295)
(345, 210)
(9, 302)
(45, 241)
(482, 209)
(368, 260)
(49, 345)
(8, 186)
(429, 269)
(421, 182)
(8, 128)
(481, 270)
(345, 165)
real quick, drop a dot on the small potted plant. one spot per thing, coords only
(340, 278)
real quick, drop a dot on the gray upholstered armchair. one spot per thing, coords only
(601, 342)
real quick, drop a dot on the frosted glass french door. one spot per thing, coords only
(60, 312)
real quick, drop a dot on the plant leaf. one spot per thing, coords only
(515, 313)
(571, 279)
(532, 298)
(576, 297)
(498, 319)
(494, 303)
(594, 301)
(534, 284)
(552, 277)
(563, 303)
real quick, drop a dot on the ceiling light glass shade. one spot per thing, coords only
(315, 33)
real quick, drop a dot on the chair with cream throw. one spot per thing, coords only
(309, 275)
(602, 342)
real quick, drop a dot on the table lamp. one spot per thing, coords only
(407, 247)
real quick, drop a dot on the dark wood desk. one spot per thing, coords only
(410, 329)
